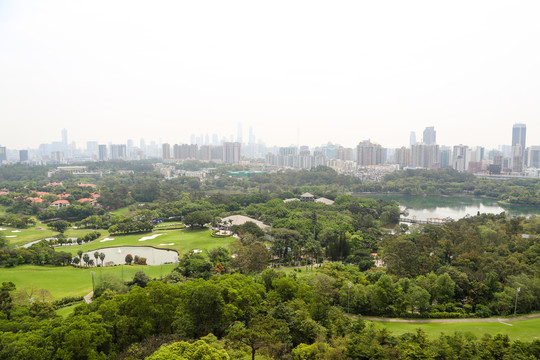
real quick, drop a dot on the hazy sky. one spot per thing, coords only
(340, 71)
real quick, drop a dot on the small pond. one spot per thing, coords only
(153, 256)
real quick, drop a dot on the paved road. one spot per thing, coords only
(525, 317)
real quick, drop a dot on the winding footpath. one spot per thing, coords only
(499, 320)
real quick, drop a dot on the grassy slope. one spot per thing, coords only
(70, 281)
(525, 330)
(182, 240)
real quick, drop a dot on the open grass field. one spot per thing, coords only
(179, 240)
(121, 211)
(525, 330)
(70, 281)
(23, 236)
(20, 237)
(68, 310)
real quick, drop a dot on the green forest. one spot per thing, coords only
(297, 289)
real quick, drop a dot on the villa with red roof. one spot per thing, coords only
(90, 200)
(60, 203)
(35, 199)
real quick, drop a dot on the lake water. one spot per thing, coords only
(454, 207)
(153, 256)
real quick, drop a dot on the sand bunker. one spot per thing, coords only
(166, 244)
(152, 237)
(107, 239)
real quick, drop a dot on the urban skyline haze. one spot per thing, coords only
(340, 72)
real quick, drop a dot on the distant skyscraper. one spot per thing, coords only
(23, 155)
(64, 138)
(519, 134)
(412, 139)
(460, 160)
(430, 136)
(533, 158)
(3, 153)
(239, 134)
(369, 153)
(118, 151)
(231, 152)
(102, 150)
(166, 151)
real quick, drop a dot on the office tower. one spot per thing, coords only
(430, 136)
(102, 152)
(519, 133)
(142, 144)
(369, 153)
(193, 139)
(215, 140)
(412, 139)
(3, 153)
(231, 152)
(23, 155)
(239, 133)
(130, 144)
(165, 151)
(64, 138)
(533, 157)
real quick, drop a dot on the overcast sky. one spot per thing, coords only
(340, 71)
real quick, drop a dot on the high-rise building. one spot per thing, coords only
(412, 139)
(239, 133)
(533, 157)
(425, 155)
(445, 157)
(460, 159)
(118, 151)
(102, 152)
(165, 151)
(369, 153)
(64, 138)
(430, 136)
(3, 153)
(519, 134)
(231, 152)
(23, 155)
(402, 157)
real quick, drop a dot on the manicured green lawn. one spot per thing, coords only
(121, 211)
(525, 330)
(70, 281)
(40, 231)
(179, 240)
(67, 310)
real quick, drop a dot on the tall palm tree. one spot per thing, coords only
(102, 257)
(96, 256)
(80, 255)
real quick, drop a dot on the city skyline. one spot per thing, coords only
(215, 139)
(348, 72)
